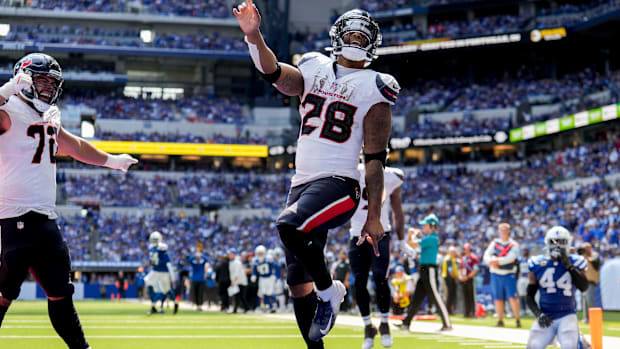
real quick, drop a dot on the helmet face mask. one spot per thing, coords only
(155, 238)
(47, 80)
(355, 21)
(557, 242)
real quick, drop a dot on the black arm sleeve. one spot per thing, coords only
(530, 299)
(579, 278)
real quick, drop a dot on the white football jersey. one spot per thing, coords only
(392, 180)
(28, 160)
(332, 112)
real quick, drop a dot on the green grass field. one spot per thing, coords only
(126, 325)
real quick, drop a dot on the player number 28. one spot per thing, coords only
(338, 118)
(563, 283)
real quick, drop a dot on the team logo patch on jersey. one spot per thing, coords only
(543, 263)
(20, 225)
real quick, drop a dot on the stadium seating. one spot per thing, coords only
(79, 35)
(469, 201)
(193, 8)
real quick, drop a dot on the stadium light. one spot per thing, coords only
(146, 36)
(5, 29)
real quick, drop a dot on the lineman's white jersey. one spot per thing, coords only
(334, 104)
(392, 179)
(28, 160)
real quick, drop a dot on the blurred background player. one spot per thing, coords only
(325, 188)
(161, 278)
(501, 256)
(469, 268)
(198, 262)
(426, 286)
(264, 272)
(363, 259)
(555, 275)
(31, 134)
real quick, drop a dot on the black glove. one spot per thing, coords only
(564, 259)
(544, 321)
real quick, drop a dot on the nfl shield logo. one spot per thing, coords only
(20, 225)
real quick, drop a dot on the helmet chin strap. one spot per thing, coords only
(38, 104)
(354, 53)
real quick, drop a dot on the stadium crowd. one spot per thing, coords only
(80, 35)
(178, 138)
(155, 191)
(193, 8)
(199, 108)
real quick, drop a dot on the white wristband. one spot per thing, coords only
(254, 54)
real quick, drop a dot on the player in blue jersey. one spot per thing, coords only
(555, 274)
(161, 277)
(265, 271)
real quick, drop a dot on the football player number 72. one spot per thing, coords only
(563, 283)
(338, 119)
(40, 130)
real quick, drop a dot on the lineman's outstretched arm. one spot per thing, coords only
(81, 150)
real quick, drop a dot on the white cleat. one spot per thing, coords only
(386, 337)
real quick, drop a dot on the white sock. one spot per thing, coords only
(366, 320)
(384, 318)
(327, 293)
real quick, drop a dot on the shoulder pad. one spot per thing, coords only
(388, 87)
(534, 261)
(397, 172)
(310, 56)
(579, 262)
(162, 247)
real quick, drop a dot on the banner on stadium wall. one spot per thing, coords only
(199, 149)
(581, 119)
(536, 35)
(406, 142)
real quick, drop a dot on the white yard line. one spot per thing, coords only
(205, 327)
(510, 335)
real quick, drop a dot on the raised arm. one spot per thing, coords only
(81, 150)
(377, 127)
(286, 78)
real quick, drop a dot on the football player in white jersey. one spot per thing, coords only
(555, 275)
(30, 136)
(343, 106)
(363, 259)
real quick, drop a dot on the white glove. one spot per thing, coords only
(253, 278)
(120, 162)
(406, 249)
(18, 83)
